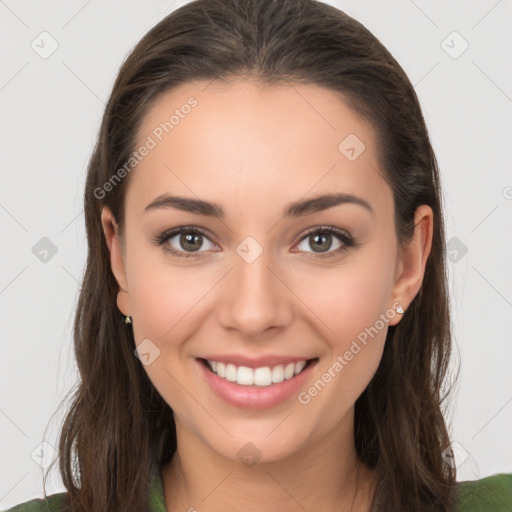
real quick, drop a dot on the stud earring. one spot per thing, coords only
(399, 309)
(127, 319)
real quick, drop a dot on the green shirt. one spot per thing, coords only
(490, 494)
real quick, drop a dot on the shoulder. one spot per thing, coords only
(489, 494)
(57, 502)
(52, 503)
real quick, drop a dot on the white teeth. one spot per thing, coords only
(264, 376)
(245, 376)
(289, 371)
(278, 373)
(231, 373)
(299, 366)
(221, 370)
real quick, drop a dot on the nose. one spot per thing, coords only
(254, 299)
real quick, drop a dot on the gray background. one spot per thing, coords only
(51, 109)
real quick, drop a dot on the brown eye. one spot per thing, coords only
(191, 241)
(320, 241)
(185, 242)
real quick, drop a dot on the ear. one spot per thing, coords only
(111, 232)
(413, 259)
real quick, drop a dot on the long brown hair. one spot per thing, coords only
(118, 428)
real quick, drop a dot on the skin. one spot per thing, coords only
(253, 149)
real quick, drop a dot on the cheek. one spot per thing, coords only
(164, 295)
(164, 300)
(349, 299)
(353, 352)
(351, 309)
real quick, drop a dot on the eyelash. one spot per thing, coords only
(342, 236)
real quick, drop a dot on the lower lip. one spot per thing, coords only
(255, 397)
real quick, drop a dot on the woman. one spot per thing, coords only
(263, 322)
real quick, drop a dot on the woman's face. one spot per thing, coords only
(253, 283)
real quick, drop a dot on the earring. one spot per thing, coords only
(399, 309)
(127, 319)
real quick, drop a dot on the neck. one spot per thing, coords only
(326, 475)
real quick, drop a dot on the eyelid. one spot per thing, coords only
(326, 229)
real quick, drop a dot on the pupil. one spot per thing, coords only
(317, 242)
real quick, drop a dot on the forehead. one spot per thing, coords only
(226, 141)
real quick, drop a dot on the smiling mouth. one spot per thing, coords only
(263, 376)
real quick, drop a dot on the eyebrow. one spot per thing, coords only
(295, 209)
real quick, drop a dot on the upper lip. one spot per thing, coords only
(255, 362)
